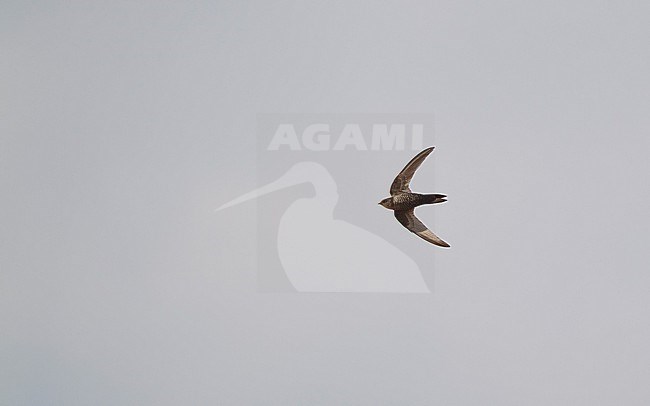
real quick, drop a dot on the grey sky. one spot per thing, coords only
(123, 126)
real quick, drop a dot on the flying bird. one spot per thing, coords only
(403, 201)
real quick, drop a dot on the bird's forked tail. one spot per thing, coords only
(434, 198)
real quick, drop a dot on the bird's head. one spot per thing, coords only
(387, 202)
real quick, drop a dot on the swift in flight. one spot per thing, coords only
(403, 201)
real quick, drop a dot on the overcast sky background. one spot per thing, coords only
(124, 124)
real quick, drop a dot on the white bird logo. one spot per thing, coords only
(323, 254)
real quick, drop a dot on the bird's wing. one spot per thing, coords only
(408, 220)
(401, 182)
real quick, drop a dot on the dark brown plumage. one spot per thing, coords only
(403, 201)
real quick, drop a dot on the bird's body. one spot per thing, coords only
(406, 201)
(403, 201)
